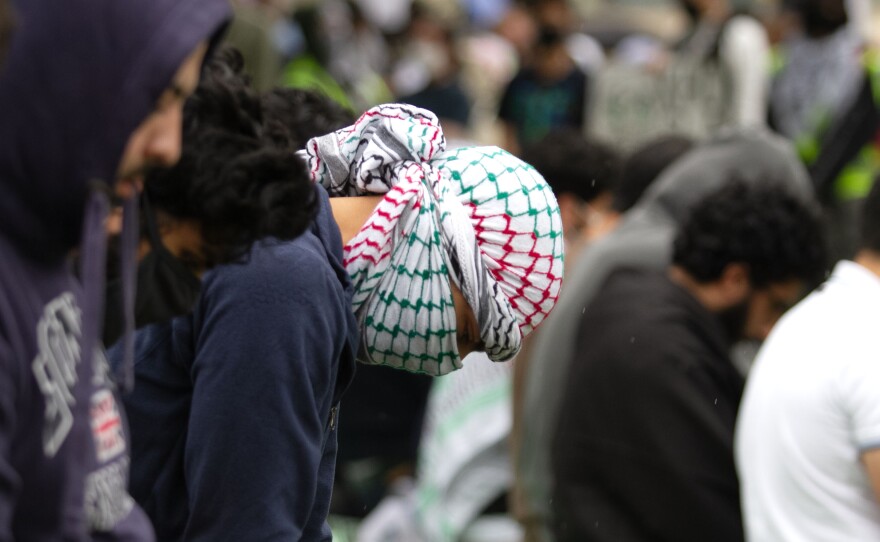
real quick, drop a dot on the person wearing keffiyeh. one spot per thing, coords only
(474, 220)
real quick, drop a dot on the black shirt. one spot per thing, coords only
(644, 444)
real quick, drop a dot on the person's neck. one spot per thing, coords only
(869, 259)
(352, 213)
(705, 294)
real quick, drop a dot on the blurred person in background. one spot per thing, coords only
(234, 415)
(642, 239)
(549, 92)
(310, 68)
(428, 74)
(359, 53)
(254, 31)
(808, 429)
(731, 46)
(110, 113)
(584, 175)
(644, 165)
(643, 447)
(342, 55)
(824, 98)
(713, 76)
(596, 171)
(489, 60)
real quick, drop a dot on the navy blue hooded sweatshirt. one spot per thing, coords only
(233, 415)
(78, 78)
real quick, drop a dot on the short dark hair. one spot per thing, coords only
(572, 163)
(549, 37)
(821, 17)
(776, 234)
(644, 165)
(236, 178)
(869, 221)
(304, 113)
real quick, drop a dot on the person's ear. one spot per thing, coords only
(570, 212)
(734, 284)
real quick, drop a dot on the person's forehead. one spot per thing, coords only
(186, 78)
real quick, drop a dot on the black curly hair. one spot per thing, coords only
(572, 163)
(237, 178)
(776, 234)
(303, 113)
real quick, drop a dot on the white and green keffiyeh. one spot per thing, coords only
(476, 216)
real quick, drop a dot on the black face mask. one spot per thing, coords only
(166, 288)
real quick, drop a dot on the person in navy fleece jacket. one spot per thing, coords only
(234, 411)
(91, 91)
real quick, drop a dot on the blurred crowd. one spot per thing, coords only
(436, 271)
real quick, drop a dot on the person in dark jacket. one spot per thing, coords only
(234, 413)
(642, 239)
(643, 444)
(91, 92)
(237, 181)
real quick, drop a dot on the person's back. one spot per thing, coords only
(234, 414)
(716, 76)
(807, 431)
(644, 440)
(550, 93)
(644, 464)
(642, 240)
(69, 101)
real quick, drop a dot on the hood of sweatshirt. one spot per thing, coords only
(78, 78)
(751, 154)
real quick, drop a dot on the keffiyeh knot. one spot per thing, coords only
(476, 217)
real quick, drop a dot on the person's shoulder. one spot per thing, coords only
(300, 264)
(647, 315)
(633, 285)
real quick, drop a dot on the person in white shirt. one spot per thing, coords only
(808, 433)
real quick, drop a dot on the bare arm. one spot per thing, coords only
(871, 459)
(351, 213)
